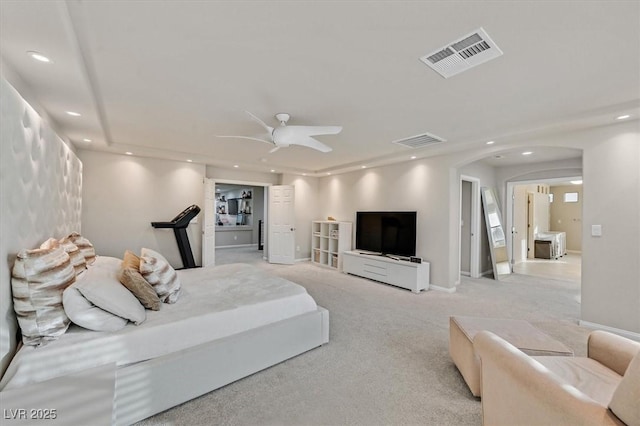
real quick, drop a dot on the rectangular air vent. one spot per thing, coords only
(467, 52)
(419, 141)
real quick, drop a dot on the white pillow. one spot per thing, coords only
(85, 314)
(109, 262)
(157, 271)
(102, 288)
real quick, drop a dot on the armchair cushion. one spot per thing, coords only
(625, 403)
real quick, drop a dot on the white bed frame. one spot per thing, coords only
(41, 173)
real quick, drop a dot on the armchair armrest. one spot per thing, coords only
(518, 390)
(612, 351)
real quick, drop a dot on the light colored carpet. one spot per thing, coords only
(387, 362)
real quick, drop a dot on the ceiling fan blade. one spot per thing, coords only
(245, 137)
(310, 142)
(262, 123)
(316, 130)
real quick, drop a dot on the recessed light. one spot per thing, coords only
(527, 153)
(74, 114)
(622, 117)
(189, 161)
(273, 171)
(235, 166)
(304, 174)
(129, 153)
(39, 57)
(328, 173)
(576, 182)
(86, 140)
(413, 157)
(363, 167)
(491, 142)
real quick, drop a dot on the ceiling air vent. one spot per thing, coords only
(419, 141)
(463, 54)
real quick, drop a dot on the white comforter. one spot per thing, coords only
(215, 303)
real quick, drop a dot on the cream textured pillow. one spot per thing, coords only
(39, 278)
(102, 288)
(86, 314)
(78, 261)
(141, 289)
(157, 271)
(85, 247)
(625, 402)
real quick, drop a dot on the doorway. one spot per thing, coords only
(539, 217)
(233, 213)
(469, 227)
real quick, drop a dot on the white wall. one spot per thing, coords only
(40, 196)
(123, 194)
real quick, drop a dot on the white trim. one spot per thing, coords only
(304, 259)
(445, 289)
(625, 333)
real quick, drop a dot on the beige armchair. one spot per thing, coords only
(600, 389)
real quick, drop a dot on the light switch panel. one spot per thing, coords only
(596, 230)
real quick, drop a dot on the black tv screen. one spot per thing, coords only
(386, 232)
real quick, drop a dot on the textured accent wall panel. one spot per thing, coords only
(40, 195)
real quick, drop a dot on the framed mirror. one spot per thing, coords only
(495, 232)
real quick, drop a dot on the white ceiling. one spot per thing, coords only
(162, 78)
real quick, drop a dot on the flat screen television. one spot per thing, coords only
(392, 233)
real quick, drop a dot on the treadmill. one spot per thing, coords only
(179, 225)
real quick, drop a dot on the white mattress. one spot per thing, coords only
(215, 303)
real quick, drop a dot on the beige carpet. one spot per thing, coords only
(387, 362)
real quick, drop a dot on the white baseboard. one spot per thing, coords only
(625, 333)
(304, 259)
(445, 289)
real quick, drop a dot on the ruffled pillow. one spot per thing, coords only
(157, 271)
(39, 278)
(85, 247)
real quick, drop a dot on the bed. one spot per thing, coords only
(231, 321)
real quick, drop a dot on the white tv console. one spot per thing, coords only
(401, 273)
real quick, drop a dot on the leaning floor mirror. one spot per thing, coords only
(495, 232)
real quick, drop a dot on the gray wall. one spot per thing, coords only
(611, 263)
(420, 185)
(123, 194)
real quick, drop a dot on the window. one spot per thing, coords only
(551, 198)
(570, 197)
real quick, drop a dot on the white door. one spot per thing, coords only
(209, 223)
(281, 221)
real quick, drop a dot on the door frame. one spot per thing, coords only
(474, 255)
(509, 204)
(216, 181)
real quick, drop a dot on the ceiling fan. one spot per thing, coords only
(283, 136)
